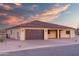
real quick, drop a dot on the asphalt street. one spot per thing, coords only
(72, 50)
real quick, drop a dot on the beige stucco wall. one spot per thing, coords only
(18, 34)
(15, 33)
(72, 33)
(22, 34)
(64, 35)
(46, 35)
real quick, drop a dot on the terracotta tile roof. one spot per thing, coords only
(40, 24)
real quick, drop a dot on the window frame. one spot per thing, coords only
(67, 32)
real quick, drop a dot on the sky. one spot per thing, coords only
(66, 14)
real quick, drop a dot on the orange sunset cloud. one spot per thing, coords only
(6, 7)
(12, 20)
(18, 4)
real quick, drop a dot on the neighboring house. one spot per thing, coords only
(40, 31)
(2, 33)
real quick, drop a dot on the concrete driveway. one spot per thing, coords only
(16, 45)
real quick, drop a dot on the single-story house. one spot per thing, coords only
(38, 30)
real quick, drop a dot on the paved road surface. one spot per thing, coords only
(72, 50)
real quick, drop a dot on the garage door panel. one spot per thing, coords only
(34, 34)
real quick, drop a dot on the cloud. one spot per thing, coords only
(3, 14)
(47, 15)
(5, 6)
(18, 4)
(12, 20)
(33, 7)
(50, 14)
(2, 18)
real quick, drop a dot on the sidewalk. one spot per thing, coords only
(14, 45)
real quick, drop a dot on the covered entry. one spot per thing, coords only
(52, 34)
(33, 34)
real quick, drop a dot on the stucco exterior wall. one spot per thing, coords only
(45, 34)
(14, 33)
(63, 33)
(18, 34)
(73, 33)
(22, 34)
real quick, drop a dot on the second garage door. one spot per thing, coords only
(34, 34)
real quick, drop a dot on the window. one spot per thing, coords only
(67, 32)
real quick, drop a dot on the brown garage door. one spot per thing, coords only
(34, 35)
